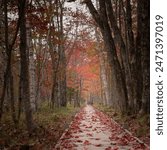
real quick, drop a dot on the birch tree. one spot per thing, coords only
(32, 80)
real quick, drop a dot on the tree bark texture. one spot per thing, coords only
(24, 67)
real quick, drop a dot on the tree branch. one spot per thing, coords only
(94, 12)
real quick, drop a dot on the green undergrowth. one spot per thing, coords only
(138, 125)
(49, 126)
(45, 115)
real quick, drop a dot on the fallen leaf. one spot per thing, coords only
(86, 142)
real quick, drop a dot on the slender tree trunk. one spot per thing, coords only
(8, 67)
(12, 100)
(31, 68)
(19, 101)
(103, 74)
(8, 47)
(63, 97)
(55, 57)
(24, 67)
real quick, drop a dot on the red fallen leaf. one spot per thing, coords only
(75, 131)
(94, 129)
(116, 148)
(98, 145)
(142, 146)
(103, 129)
(67, 145)
(76, 136)
(80, 130)
(79, 141)
(75, 127)
(108, 148)
(94, 119)
(67, 136)
(89, 127)
(115, 138)
(122, 141)
(97, 138)
(89, 134)
(86, 142)
(66, 141)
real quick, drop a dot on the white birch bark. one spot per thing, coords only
(105, 84)
(31, 69)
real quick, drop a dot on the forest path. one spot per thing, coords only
(93, 130)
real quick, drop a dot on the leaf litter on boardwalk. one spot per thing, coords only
(91, 129)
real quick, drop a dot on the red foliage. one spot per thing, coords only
(84, 65)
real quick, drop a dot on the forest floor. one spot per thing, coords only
(92, 129)
(50, 125)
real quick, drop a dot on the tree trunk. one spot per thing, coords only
(143, 37)
(31, 68)
(24, 79)
(55, 58)
(12, 100)
(77, 102)
(63, 97)
(103, 73)
(8, 67)
(8, 47)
